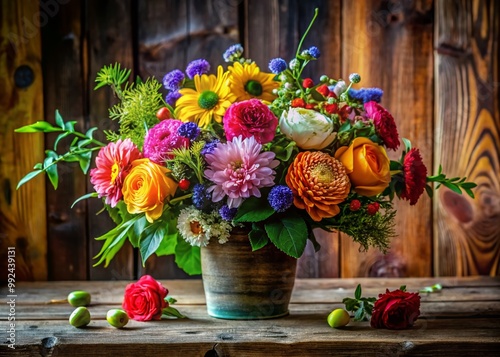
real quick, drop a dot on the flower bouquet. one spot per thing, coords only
(273, 152)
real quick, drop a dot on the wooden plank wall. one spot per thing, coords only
(437, 62)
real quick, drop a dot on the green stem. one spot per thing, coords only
(178, 199)
(93, 141)
(305, 33)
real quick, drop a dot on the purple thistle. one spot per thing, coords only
(173, 79)
(280, 198)
(233, 53)
(367, 94)
(210, 147)
(172, 97)
(197, 67)
(189, 130)
(227, 213)
(277, 65)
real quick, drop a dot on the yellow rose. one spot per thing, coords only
(367, 165)
(146, 187)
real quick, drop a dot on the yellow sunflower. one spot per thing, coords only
(208, 101)
(247, 82)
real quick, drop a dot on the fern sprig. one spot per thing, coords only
(114, 76)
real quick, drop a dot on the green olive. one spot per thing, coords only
(79, 298)
(117, 318)
(338, 318)
(80, 317)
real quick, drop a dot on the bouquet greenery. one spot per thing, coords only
(272, 151)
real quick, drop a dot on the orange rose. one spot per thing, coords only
(146, 187)
(367, 165)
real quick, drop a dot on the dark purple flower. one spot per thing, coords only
(197, 67)
(233, 53)
(280, 198)
(173, 79)
(172, 97)
(314, 52)
(189, 130)
(277, 65)
(202, 199)
(209, 147)
(227, 213)
(367, 94)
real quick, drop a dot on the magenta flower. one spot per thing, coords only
(113, 162)
(250, 118)
(384, 124)
(239, 169)
(161, 139)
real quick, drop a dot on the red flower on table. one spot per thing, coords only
(145, 300)
(395, 310)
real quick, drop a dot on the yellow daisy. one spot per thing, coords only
(208, 101)
(247, 82)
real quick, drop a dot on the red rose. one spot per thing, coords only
(395, 310)
(384, 124)
(145, 300)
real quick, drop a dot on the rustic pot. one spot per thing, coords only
(244, 285)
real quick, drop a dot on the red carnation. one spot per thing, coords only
(415, 176)
(307, 83)
(395, 310)
(384, 124)
(298, 102)
(323, 89)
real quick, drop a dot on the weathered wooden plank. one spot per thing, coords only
(291, 336)
(63, 66)
(467, 136)
(22, 213)
(107, 44)
(390, 45)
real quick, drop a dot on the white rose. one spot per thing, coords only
(308, 128)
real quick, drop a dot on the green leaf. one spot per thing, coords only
(172, 312)
(70, 126)
(187, 257)
(85, 160)
(59, 120)
(402, 288)
(51, 169)
(407, 144)
(89, 134)
(357, 292)
(59, 137)
(253, 210)
(258, 238)
(134, 235)
(429, 191)
(452, 187)
(84, 197)
(288, 234)
(28, 177)
(150, 241)
(360, 314)
(38, 127)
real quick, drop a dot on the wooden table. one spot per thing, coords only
(463, 319)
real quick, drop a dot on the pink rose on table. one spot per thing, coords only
(145, 299)
(395, 310)
(250, 118)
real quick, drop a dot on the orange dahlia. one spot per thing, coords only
(319, 183)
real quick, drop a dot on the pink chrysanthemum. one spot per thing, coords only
(239, 169)
(112, 165)
(415, 176)
(250, 118)
(384, 124)
(161, 139)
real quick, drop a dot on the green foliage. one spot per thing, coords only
(253, 209)
(258, 237)
(80, 150)
(456, 184)
(289, 234)
(114, 76)
(187, 257)
(361, 307)
(189, 158)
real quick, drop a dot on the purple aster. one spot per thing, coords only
(277, 65)
(227, 213)
(280, 198)
(367, 94)
(197, 67)
(202, 199)
(189, 130)
(172, 97)
(161, 139)
(314, 52)
(233, 53)
(210, 147)
(173, 79)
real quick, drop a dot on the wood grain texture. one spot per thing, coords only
(106, 45)
(63, 65)
(390, 45)
(460, 320)
(22, 212)
(467, 136)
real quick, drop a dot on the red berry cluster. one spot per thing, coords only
(371, 208)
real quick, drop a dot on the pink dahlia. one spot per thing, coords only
(113, 163)
(384, 124)
(161, 139)
(250, 118)
(415, 176)
(239, 169)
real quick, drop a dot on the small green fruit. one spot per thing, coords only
(79, 298)
(80, 317)
(117, 318)
(338, 318)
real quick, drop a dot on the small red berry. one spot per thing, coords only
(163, 114)
(184, 184)
(298, 102)
(307, 83)
(355, 205)
(372, 208)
